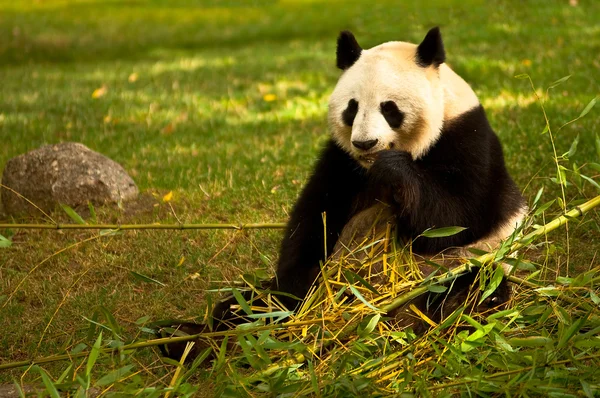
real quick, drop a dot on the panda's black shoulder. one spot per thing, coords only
(469, 144)
(467, 138)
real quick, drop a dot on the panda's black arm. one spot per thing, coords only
(433, 195)
(332, 189)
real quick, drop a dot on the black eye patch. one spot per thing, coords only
(350, 112)
(392, 114)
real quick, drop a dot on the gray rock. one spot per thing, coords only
(68, 173)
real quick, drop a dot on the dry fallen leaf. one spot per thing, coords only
(168, 129)
(99, 92)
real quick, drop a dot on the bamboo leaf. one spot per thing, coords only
(561, 177)
(112, 322)
(589, 393)
(573, 148)
(241, 301)
(250, 356)
(442, 232)
(142, 320)
(472, 322)
(258, 348)
(146, 278)
(559, 81)
(530, 341)
(493, 284)
(588, 107)
(114, 376)
(93, 355)
(79, 348)
(570, 332)
(548, 291)
(4, 242)
(197, 362)
(93, 217)
(68, 372)
(280, 315)
(588, 179)
(361, 298)
(544, 207)
(19, 389)
(594, 166)
(437, 288)
(353, 277)
(538, 195)
(50, 387)
(72, 214)
(370, 326)
(475, 337)
(451, 318)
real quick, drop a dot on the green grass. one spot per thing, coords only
(195, 121)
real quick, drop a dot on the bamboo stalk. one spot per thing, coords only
(161, 341)
(511, 372)
(123, 227)
(578, 211)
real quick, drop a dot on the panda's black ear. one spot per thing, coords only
(348, 50)
(431, 50)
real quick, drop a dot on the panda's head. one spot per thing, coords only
(390, 96)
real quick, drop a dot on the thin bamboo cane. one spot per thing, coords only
(123, 227)
(161, 341)
(511, 372)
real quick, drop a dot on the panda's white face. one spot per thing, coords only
(387, 99)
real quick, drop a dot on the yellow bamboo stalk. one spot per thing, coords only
(445, 386)
(578, 211)
(123, 227)
(161, 341)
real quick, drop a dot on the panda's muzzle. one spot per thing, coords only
(365, 145)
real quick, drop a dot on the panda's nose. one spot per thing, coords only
(365, 145)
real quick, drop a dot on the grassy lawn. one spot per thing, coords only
(224, 103)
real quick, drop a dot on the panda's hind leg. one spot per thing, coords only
(464, 291)
(226, 315)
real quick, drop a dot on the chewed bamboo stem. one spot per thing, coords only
(123, 227)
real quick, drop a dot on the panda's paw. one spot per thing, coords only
(390, 165)
(176, 350)
(392, 179)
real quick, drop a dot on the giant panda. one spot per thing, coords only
(406, 132)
